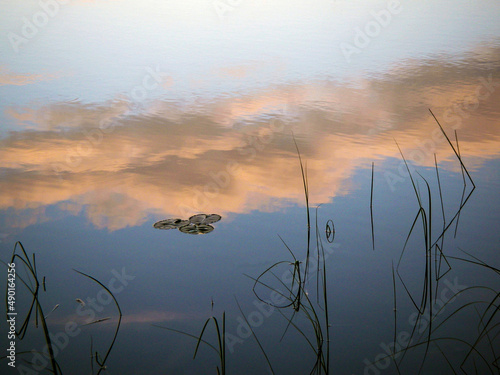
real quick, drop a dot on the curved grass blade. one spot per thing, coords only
(102, 363)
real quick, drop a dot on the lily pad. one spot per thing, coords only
(197, 219)
(196, 229)
(196, 224)
(204, 219)
(170, 224)
(212, 218)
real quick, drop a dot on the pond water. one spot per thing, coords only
(117, 115)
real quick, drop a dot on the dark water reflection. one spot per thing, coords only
(88, 168)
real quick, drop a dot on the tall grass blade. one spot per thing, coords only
(103, 361)
(371, 209)
(255, 337)
(33, 288)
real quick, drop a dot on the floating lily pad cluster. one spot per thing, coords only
(197, 224)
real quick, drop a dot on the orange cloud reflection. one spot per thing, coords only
(17, 79)
(120, 168)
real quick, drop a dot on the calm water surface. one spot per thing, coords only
(115, 115)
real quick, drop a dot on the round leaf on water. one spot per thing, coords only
(212, 218)
(204, 219)
(196, 229)
(197, 219)
(170, 224)
(196, 224)
(203, 229)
